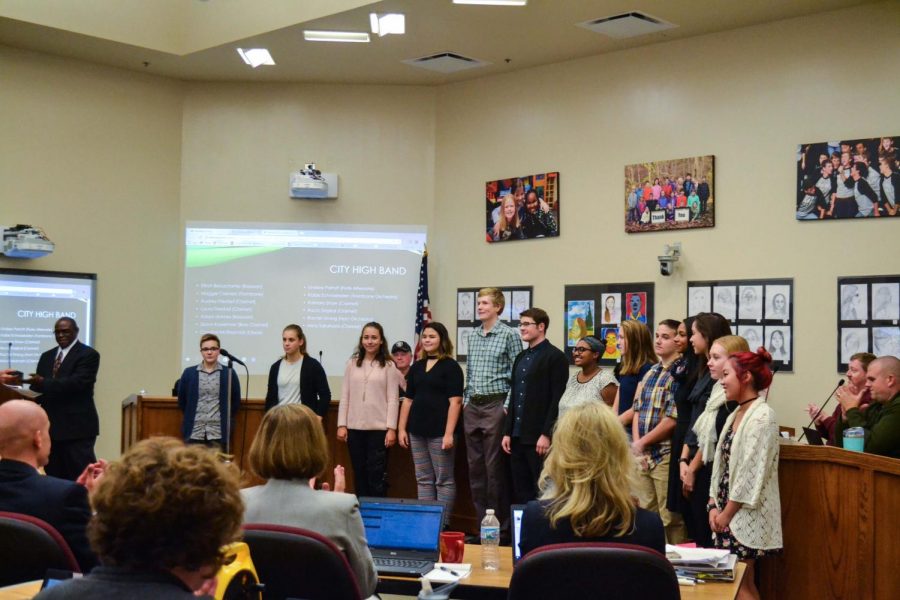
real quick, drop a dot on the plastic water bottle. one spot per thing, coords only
(490, 541)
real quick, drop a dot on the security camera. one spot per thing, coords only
(667, 260)
(666, 265)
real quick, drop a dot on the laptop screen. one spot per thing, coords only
(517, 510)
(398, 525)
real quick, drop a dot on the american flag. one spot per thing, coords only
(423, 312)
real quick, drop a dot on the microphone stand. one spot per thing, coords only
(228, 371)
(821, 408)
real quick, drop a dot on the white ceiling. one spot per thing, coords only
(509, 38)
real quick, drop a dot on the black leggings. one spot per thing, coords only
(369, 459)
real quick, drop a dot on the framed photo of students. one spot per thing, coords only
(516, 299)
(598, 310)
(670, 194)
(848, 179)
(522, 208)
(868, 317)
(759, 310)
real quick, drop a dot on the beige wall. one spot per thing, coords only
(112, 163)
(748, 97)
(241, 143)
(93, 156)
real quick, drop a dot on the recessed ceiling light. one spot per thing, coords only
(387, 23)
(335, 36)
(493, 2)
(256, 56)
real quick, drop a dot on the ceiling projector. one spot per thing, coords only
(309, 182)
(25, 241)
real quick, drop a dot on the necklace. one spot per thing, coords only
(366, 375)
(740, 404)
(589, 377)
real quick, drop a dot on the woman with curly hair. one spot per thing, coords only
(162, 514)
(586, 487)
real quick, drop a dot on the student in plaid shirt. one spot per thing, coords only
(652, 427)
(492, 349)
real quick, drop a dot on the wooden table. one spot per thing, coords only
(21, 591)
(481, 584)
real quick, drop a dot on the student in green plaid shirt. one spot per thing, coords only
(492, 349)
(652, 427)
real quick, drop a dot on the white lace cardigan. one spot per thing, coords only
(753, 477)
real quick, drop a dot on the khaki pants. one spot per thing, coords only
(652, 491)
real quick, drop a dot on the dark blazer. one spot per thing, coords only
(61, 503)
(68, 398)
(189, 396)
(544, 387)
(536, 531)
(314, 390)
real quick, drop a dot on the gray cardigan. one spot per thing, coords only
(332, 514)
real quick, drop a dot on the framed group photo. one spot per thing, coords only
(522, 208)
(670, 194)
(848, 179)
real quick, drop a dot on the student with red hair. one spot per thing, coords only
(744, 505)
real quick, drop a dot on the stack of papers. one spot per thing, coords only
(702, 564)
(448, 572)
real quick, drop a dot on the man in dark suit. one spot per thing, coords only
(539, 377)
(25, 445)
(65, 377)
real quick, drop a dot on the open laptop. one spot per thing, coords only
(516, 511)
(404, 535)
(813, 437)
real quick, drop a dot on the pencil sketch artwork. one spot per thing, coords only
(853, 302)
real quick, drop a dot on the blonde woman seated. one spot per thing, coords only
(290, 451)
(586, 487)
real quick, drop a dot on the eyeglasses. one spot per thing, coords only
(579, 350)
(526, 323)
(209, 349)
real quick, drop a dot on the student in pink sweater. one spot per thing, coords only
(367, 414)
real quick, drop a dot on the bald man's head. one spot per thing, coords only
(24, 432)
(883, 378)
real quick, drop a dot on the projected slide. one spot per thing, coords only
(31, 302)
(246, 281)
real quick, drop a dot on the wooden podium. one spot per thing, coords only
(146, 416)
(10, 393)
(840, 512)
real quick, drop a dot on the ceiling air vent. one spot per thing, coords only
(627, 25)
(445, 62)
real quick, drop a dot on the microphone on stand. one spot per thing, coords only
(227, 354)
(819, 412)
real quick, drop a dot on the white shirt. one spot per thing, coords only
(578, 393)
(289, 382)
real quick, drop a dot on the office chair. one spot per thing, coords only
(298, 563)
(30, 546)
(605, 571)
